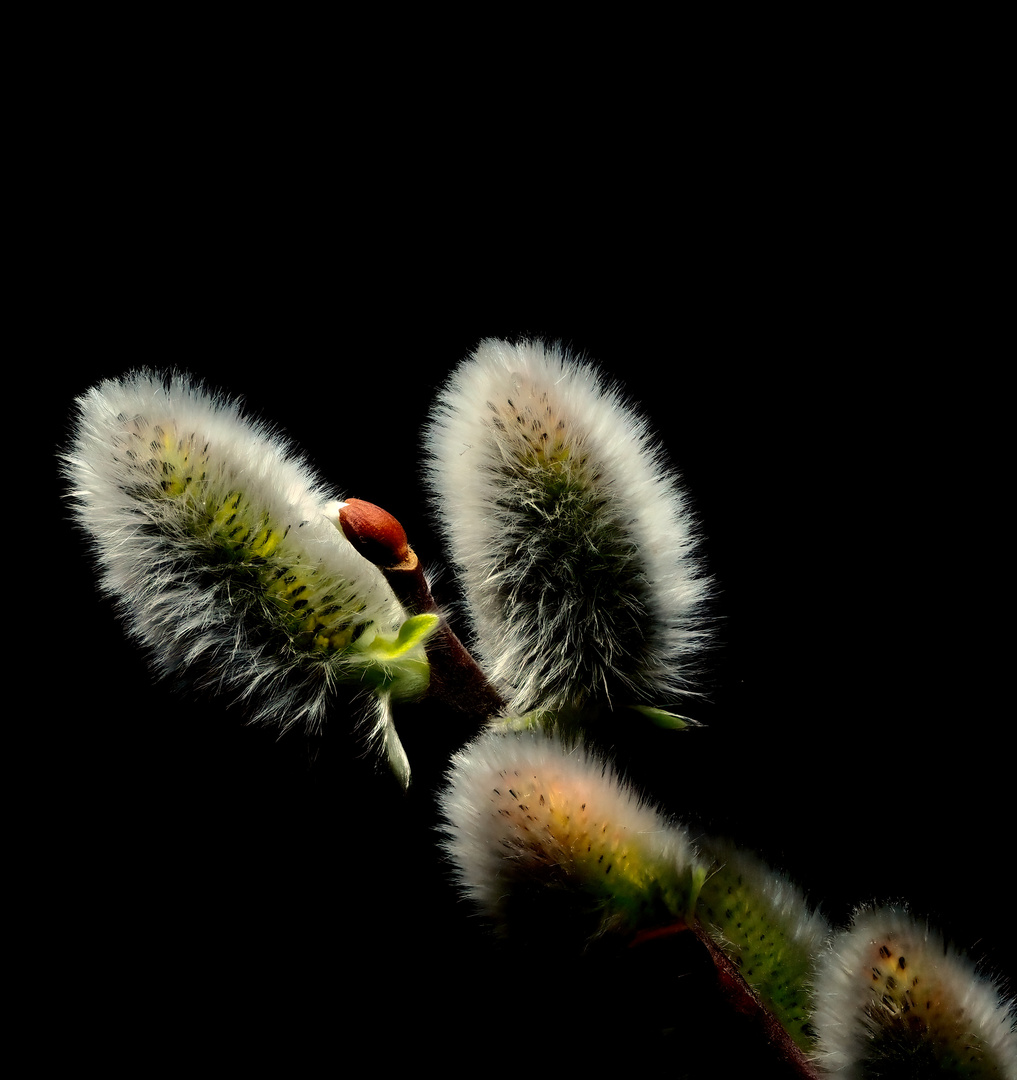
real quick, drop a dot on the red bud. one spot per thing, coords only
(374, 532)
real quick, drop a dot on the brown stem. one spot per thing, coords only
(456, 678)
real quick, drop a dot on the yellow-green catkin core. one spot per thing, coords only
(916, 1022)
(538, 434)
(318, 611)
(763, 946)
(548, 465)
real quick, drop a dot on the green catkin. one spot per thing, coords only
(763, 924)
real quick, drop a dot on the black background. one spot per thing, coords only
(853, 733)
(805, 328)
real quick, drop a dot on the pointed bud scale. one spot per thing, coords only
(568, 530)
(374, 532)
(893, 999)
(223, 553)
(528, 818)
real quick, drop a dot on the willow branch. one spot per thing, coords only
(456, 679)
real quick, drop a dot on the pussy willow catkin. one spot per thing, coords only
(763, 922)
(529, 817)
(892, 998)
(569, 530)
(222, 550)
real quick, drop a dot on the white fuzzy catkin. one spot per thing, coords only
(222, 550)
(569, 531)
(526, 813)
(893, 999)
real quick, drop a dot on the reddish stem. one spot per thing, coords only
(743, 1001)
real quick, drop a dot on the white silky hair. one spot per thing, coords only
(569, 530)
(492, 842)
(186, 613)
(944, 990)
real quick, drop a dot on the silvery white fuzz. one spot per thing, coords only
(223, 552)
(569, 530)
